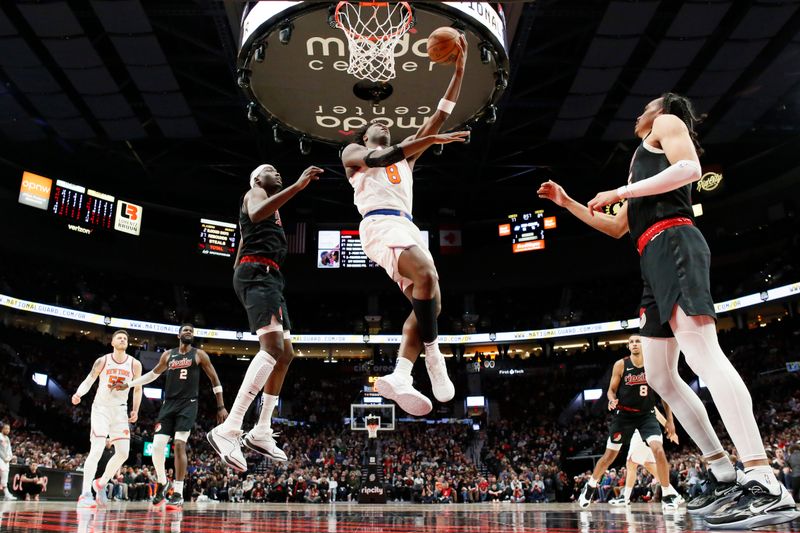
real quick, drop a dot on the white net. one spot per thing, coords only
(373, 30)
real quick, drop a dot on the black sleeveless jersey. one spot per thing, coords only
(265, 238)
(634, 394)
(645, 211)
(183, 375)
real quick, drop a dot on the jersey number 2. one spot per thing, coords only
(643, 390)
(393, 174)
(184, 374)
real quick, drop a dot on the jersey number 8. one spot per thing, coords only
(393, 174)
(643, 390)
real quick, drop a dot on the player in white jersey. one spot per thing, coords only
(110, 417)
(381, 176)
(5, 460)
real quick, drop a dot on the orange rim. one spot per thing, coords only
(356, 35)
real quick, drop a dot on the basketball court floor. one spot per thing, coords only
(350, 518)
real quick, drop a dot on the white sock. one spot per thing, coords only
(661, 367)
(666, 491)
(697, 337)
(92, 460)
(254, 379)
(723, 469)
(159, 457)
(432, 348)
(592, 482)
(403, 366)
(626, 493)
(177, 486)
(267, 407)
(765, 476)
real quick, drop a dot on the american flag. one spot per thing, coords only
(296, 237)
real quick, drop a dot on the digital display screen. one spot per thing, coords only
(83, 206)
(342, 249)
(148, 449)
(217, 238)
(526, 230)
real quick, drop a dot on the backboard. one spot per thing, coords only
(360, 412)
(293, 67)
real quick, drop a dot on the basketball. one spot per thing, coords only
(443, 45)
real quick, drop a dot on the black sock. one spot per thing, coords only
(425, 311)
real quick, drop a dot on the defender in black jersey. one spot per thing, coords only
(633, 404)
(677, 313)
(258, 283)
(179, 410)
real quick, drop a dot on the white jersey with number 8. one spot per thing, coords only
(383, 188)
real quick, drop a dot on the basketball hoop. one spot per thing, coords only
(373, 30)
(373, 425)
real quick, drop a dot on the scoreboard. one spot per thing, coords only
(342, 249)
(217, 238)
(84, 206)
(527, 230)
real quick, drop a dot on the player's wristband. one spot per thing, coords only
(622, 192)
(217, 389)
(446, 105)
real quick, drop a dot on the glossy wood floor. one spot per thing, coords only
(350, 518)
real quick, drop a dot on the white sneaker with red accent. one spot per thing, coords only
(443, 389)
(399, 388)
(86, 501)
(228, 445)
(100, 492)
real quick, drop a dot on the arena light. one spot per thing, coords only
(476, 401)
(373, 399)
(40, 379)
(153, 393)
(590, 395)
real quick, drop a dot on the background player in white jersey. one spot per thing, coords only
(110, 416)
(5, 459)
(381, 176)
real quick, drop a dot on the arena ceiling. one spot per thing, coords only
(139, 98)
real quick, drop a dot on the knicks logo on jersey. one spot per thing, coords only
(176, 364)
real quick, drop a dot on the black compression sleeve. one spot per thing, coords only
(393, 155)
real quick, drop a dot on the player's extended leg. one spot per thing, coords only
(175, 501)
(669, 496)
(590, 489)
(160, 442)
(98, 444)
(122, 448)
(697, 337)
(225, 437)
(261, 438)
(417, 266)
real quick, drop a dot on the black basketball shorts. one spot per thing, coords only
(675, 270)
(260, 289)
(176, 415)
(622, 426)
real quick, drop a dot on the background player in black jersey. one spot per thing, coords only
(633, 404)
(259, 284)
(677, 312)
(179, 410)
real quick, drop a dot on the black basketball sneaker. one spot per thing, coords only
(716, 495)
(756, 507)
(587, 495)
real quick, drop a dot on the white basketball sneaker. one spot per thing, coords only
(229, 447)
(262, 440)
(398, 387)
(86, 501)
(443, 389)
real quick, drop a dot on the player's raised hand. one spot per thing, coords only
(452, 137)
(601, 200)
(461, 61)
(554, 192)
(76, 399)
(309, 174)
(134, 417)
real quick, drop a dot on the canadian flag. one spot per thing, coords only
(449, 240)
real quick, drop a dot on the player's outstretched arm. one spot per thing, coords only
(435, 122)
(137, 392)
(357, 156)
(613, 225)
(261, 206)
(86, 384)
(613, 386)
(205, 363)
(148, 378)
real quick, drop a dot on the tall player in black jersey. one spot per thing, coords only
(677, 312)
(259, 284)
(633, 404)
(179, 410)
